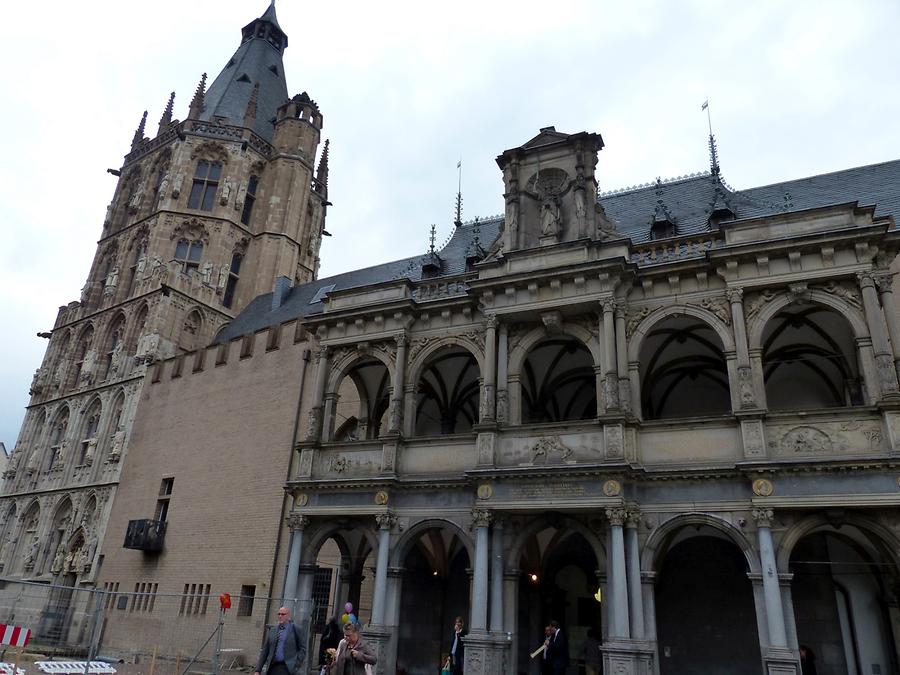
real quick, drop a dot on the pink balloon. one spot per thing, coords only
(348, 607)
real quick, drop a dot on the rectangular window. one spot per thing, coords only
(194, 599)
(321, 592)
(189, 253)
(165, 493)
(233, 275)
(249, 200)
(245, 603)
(206, 182)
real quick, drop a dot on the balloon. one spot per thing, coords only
(348, 608)
(345, 618)
(353, 618)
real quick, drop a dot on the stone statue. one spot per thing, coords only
(58, 560)
(580, 210)
(88, 366)
(223, 276)
(227, 187)
(115, 361)
(69, 565)
(163, 186)
(89, 453)
(109, 215)
(134, 204)
(112, 280)
(550, 216)
(140, 267)
(31, 556)
(206, 273)
(59, 375)
(176, 184)
(116, 451)
(35, 387)
(81, 559)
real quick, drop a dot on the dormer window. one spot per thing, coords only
(662, 229)
(719, 216)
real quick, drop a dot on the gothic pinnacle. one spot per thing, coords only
(139, 132)
(250, 112)
(166, 118)
(197, 102)
(322, 172)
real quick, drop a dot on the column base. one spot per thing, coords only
(628, 657)
(486, 654)
(383, 641)
(780, 662)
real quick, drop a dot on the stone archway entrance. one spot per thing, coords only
(705, 612)
(558, 581)
(844, 592)
(435, 590)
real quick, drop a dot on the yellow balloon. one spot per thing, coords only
(345, 617)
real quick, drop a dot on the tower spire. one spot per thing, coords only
(250, 113)
(713, 152)
(458, 220)
(166, 118)
(322, 172)
(139, 132)
(198, 100)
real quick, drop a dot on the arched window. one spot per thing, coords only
(233, 275)
(249, 199)
(683, 370)
(810, 360)
(363, 399)
(189, 253)
(206, 182)
(558, 382)
(447, 393)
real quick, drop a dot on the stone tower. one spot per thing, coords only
(206, 215)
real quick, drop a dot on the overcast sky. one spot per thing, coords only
(407, 89)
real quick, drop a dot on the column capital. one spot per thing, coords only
(491, 321)
(884, 280)
(621, 308)
(481, 518)
(763, 517)
(401, 340)
(734, 295)
(866, 279)
(385, 520)
(616, 516)
(322, 353)
(632, 517)
(608, 305)
(297, 522)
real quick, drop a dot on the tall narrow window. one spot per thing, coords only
(188, 253)
(206, 181)
(231, 284)
(133, 269)
(249, 200)
(165, 493)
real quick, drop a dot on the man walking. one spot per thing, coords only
(284, 650)
(557, 653)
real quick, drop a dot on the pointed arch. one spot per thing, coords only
(657, 544)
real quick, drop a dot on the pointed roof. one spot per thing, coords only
(258, 61)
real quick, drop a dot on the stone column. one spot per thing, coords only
(297, 523)
(379, 601)
(481, 520)
(648, 581)
(618, 584)
(633, 560)
(611, 376)
(502, 374)
(622, 358)
(746, 393)
(489, 376)
(885, 283)
(884, 360)
(497, 578)
(397, 385)
(771, 590)
(316, 414)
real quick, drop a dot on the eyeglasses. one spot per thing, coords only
(282, 613)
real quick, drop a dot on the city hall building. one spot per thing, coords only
(670, 414)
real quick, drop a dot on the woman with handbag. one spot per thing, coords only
(353, 654)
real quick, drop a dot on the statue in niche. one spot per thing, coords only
(223, 276)
(206, 273)
(35, 387)
(176, 184)
(115, 360)
(163, 186)
(550, 216)
(226, 191)
(31, 556)
(580, 207)
(58, 561)
(140, 266)
(112, 280)
(134, 204)
(88, 366)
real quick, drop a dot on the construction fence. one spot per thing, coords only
(173, 631)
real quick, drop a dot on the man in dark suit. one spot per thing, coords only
(284, 650)
(458, 647)
(557, 649)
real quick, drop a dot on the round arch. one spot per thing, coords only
(520, 352)
(342, 367)
(852, 314)
(636, 341)
(654, 549)
(332, 530)
(812, 523)
(558, 521)
(414, 371)
(409, 537)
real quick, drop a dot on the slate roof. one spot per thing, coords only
(254, 61)
(688, 200)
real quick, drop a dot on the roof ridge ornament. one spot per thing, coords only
(166, 118)
(197, 103)
(139, 132)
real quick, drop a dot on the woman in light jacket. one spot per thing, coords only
(353, 654)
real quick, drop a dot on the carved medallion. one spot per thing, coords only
(301, 499)
(381, 497)
(485, 491)
(612, 488)
(763, 487)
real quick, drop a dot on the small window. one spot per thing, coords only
(245, 602)
(249, 199)
(321, 293)
(662, 229)
(165, 493)
(206, 182)
(189, 253)
(166, 486)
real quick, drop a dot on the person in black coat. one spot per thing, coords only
(331, 638)
(557, 649)
(458, 647)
